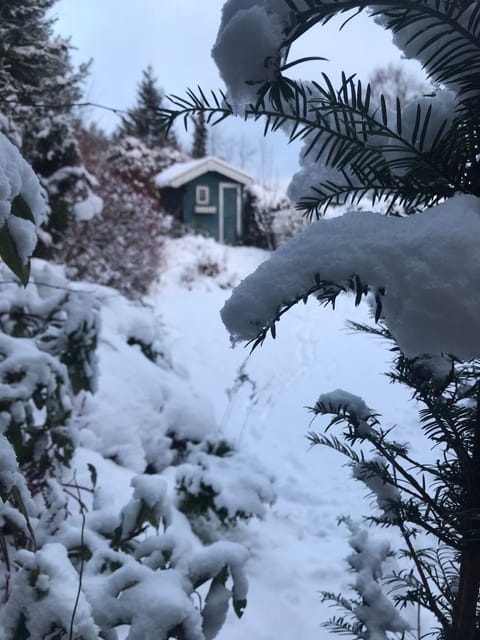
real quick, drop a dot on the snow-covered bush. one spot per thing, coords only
(47, 343)
(76, 563)
(370, 614)
(22, 210)
(39, 86)
(146, 417)
(122, 245)
(420, 272)
(99, 570)
(218, 487)
(270, 217)
(78, 560)
(193, 260)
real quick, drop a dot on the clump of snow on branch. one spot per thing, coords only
(249, 42)
(46, 586)
(372, 473)
(376, 611)
(340, 401)
(17, 179)
(255, 62)
(428, 266)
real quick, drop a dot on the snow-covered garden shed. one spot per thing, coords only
(206, 194)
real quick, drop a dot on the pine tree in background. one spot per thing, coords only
(200, 137)
(38, 88)
(144, 120)
(413, 156)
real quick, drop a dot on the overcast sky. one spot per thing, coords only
(175, 37)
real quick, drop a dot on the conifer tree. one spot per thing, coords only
(38, 83)
(422, 156)
(38, 88)
(144, 121)
(200, 136)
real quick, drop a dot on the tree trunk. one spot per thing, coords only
(464, 624)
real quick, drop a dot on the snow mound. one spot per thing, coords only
(194, 261)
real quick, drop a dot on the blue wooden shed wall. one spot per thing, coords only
(209, 222)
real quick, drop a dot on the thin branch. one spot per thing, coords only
(432, 601)
(64, 106)
(82, 558)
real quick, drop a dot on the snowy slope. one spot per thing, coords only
(260, 401)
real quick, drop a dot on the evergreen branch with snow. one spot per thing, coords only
(370, 614)
(401, 157)
(426, 497)
(397, 154)
(444, 35)
(216, 109)
(404, 502)
(419, 155)
(391, 467)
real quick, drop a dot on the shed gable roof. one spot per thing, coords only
(183, 172)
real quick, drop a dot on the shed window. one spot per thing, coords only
(202, 195)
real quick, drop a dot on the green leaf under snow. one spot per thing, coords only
(9, 255)
(8, 248)
(20, 209)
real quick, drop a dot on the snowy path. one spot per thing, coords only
(298, 549)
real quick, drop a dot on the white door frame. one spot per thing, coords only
(222, 186)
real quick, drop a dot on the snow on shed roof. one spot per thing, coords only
(183, 172)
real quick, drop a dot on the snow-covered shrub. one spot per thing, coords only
(193, 260)
(78, 561)
(122, 245)
(218, 487)
(100, 570)
(47, 346)
(178, 430)
(370, 614)
(74, 564)
(270, 217)
(143, 566)
(22, 210)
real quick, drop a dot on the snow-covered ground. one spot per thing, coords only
(260, 401)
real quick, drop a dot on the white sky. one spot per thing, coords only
(175, 37)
